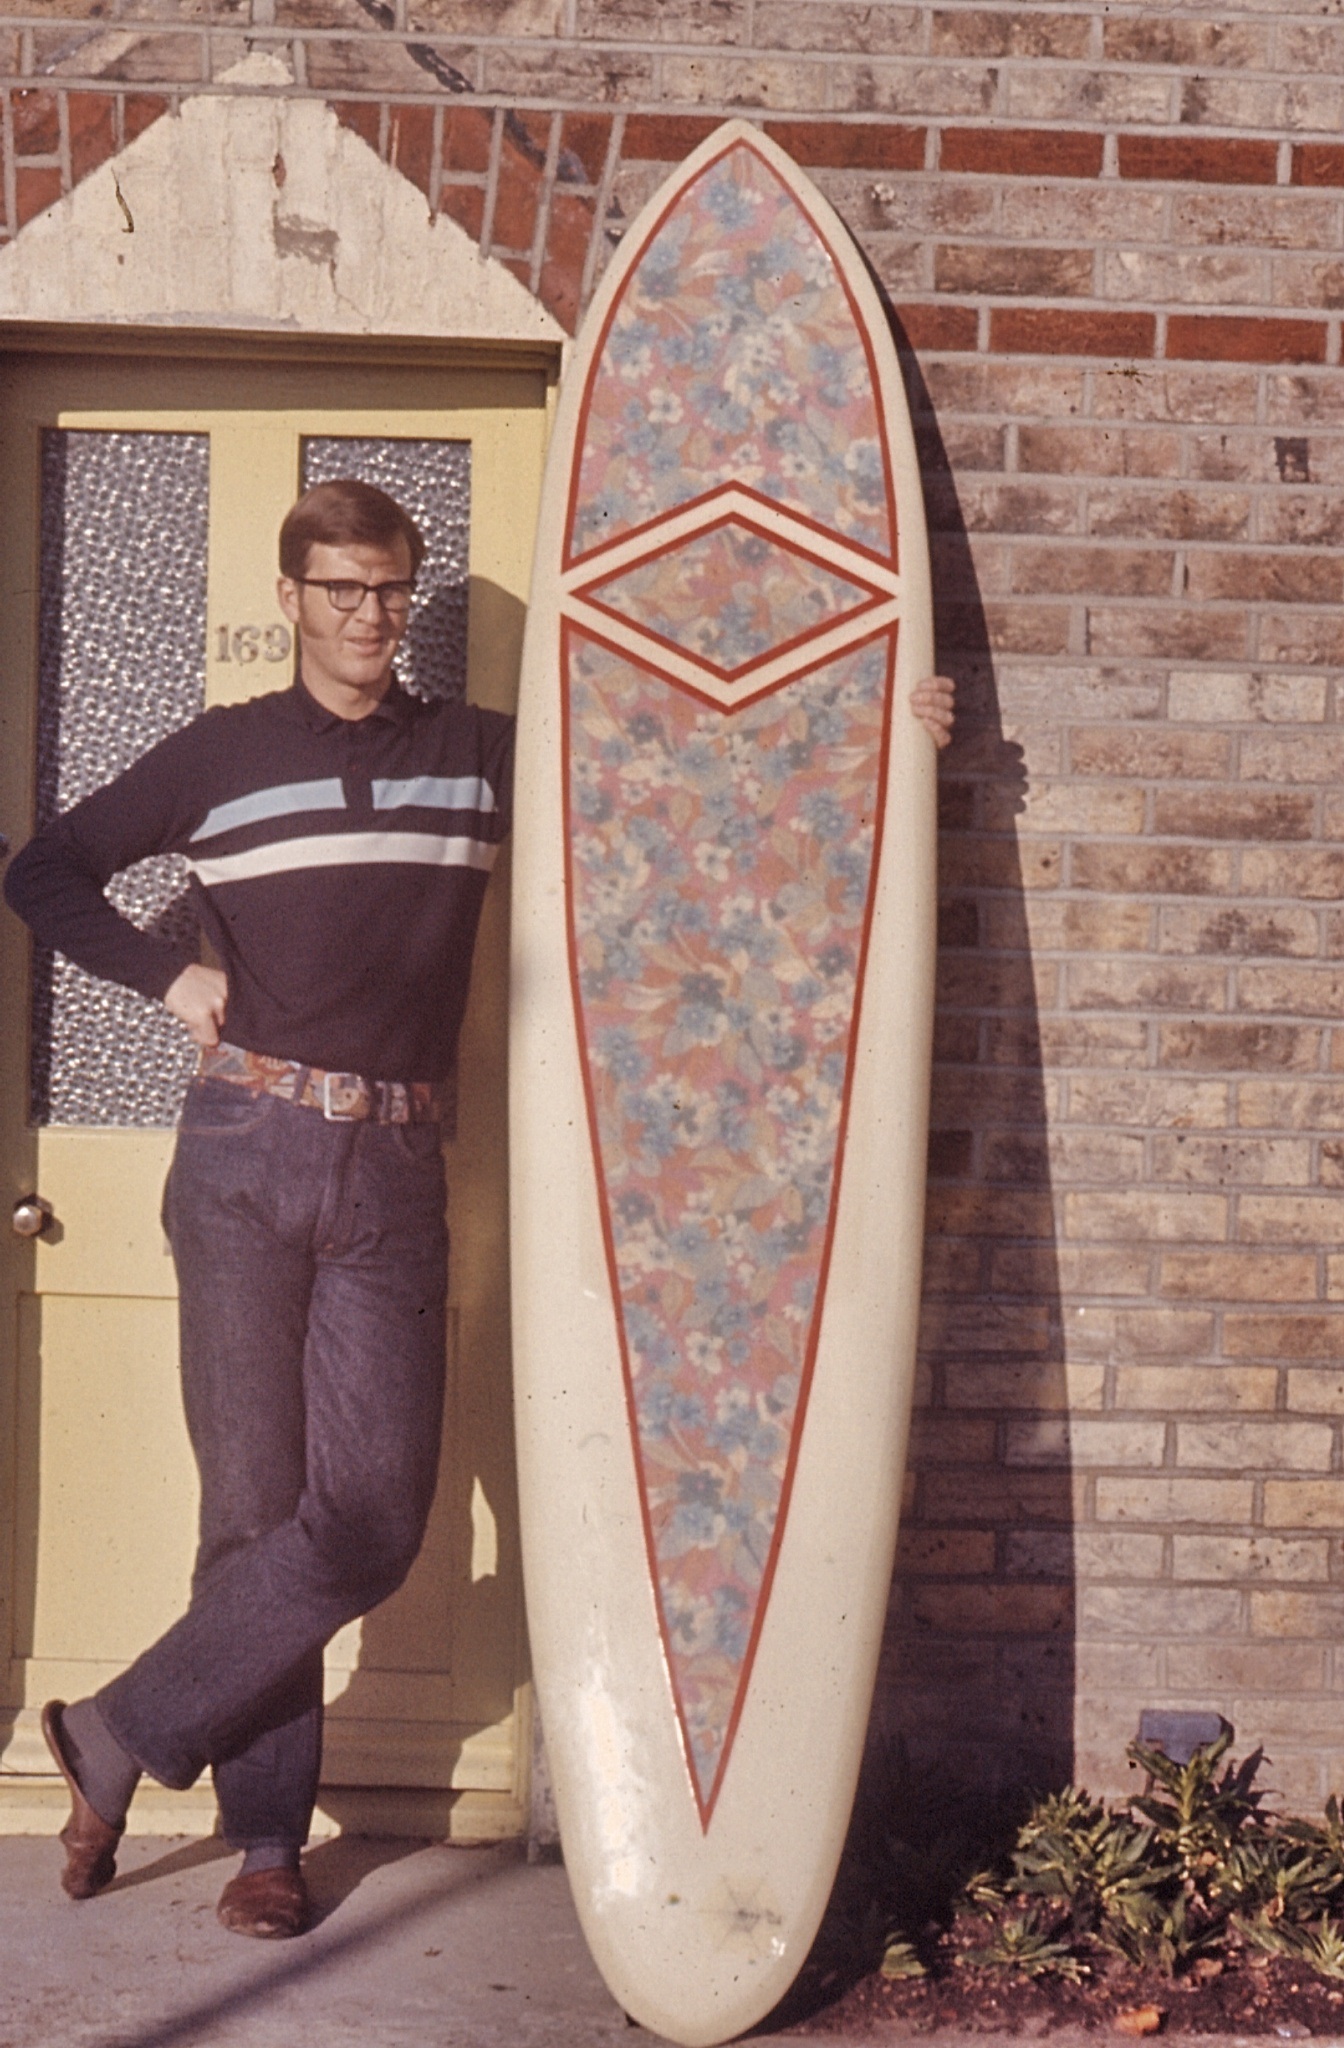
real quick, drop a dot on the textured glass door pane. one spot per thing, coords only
(432, 481)
(121, 663)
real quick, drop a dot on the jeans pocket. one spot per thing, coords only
(422, 1143)
(220, 1109)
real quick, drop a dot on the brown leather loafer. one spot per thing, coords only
(270, 1904)
(90, 1843)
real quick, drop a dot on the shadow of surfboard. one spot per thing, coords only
(975, 1691)
(978, 1668)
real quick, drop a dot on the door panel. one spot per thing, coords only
(428, 1692)
(98, 1402)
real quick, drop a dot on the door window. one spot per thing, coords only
(432, 481)
(121, 627)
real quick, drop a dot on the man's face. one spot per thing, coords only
(345, 657)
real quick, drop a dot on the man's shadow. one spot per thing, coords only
(431, 1710)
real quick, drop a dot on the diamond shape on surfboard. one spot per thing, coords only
(731, 595)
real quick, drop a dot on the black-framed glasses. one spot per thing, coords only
(395, 598)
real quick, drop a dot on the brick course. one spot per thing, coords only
(1113, 242)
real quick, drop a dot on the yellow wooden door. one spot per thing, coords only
(137, 580)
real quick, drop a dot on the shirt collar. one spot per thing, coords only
(298, 702)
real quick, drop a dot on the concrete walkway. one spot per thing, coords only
(415, 1946)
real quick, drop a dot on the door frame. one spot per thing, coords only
(32, 1797)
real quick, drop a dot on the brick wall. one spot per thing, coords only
(1112, 236)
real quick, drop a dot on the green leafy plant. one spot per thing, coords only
(900, 1959)
(1162, 1929)
(1197, 1816)
(1279, 1875)
(1168, 1879)
(1323, 1948)
(1103, 1864)
(1175, 1878)
(1320, 1947)
(915, 1842)
(1026, 1944)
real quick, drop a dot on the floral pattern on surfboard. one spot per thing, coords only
(721, 869)
(733, 357)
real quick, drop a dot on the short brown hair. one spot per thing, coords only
(335, 514)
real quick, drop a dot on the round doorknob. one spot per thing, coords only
(31, 1216)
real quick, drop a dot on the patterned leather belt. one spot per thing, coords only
(342, 1098)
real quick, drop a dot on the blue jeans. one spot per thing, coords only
(312, 1269)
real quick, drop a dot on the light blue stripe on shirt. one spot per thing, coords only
(281, 802)
(435, 793)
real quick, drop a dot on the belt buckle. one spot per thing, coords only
(337, 1116)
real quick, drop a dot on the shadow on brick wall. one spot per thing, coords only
(977, 1674)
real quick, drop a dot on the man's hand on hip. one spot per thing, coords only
(198, 999)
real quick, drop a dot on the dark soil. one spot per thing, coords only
(1251, 1995)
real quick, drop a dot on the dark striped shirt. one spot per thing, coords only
(338, 868)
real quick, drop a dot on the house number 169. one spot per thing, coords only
(248, 643)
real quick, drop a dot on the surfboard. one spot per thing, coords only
(722, 970)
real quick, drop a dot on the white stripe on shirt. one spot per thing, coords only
(347, 849)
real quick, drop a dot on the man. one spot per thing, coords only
(339, 836)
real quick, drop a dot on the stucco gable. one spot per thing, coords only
(263, 212)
